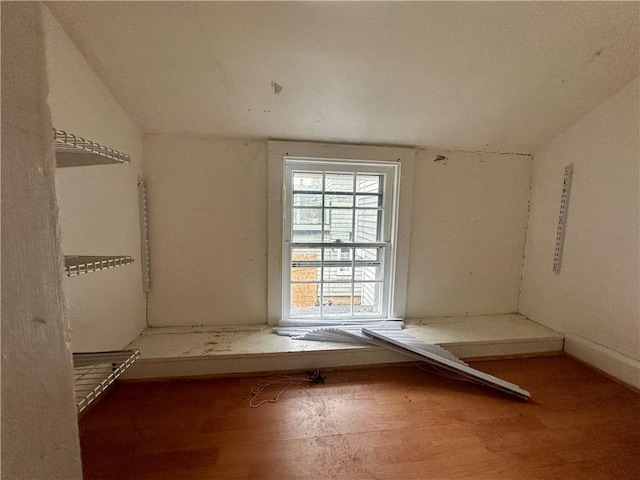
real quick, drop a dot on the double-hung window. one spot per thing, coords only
(339, 238)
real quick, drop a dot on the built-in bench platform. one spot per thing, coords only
(214, 350)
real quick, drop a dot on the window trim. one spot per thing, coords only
(391, 173)
(277, 151)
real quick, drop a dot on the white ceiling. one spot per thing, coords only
(493, 76)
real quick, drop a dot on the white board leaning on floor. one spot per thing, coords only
(390, 335)
(404, 342)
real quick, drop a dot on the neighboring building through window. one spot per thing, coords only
(339, 238)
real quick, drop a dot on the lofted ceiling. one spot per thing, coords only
(492, 76)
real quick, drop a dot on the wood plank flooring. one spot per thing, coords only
(383, 423)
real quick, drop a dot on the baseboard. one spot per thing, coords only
(622, 367)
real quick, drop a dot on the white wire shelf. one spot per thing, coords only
(93, 373)
(73, 151)
(77, 265)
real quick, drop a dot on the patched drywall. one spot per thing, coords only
(39, 422)
(98, 204)
(468, 230)
(208, 230)
(594, 299)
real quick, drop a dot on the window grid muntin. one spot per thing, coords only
(351, 281)
(384, 176)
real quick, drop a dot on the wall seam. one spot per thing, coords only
(526, 234)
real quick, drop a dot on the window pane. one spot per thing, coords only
(372, 254)
(367, 298)
(368, 273)
(337, 264)
(305, 273)
(338, 182)
(307, 216)
(333, 204)
(331, 254)
(307, 181)
(340, 273)
(336, 299)
(369, 201)
(338, 225)
(307, 225)
(338, 200)
(369, 183)
(305, 257)
(367, 225)
(305, 267)
(309, 234)
(369, 264)
(307, 200)
(305, 300)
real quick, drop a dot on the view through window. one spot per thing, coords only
(339, 227)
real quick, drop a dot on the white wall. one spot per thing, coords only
(208, 227)
(594, 300)
(208, 230)
(468, 230)
(39, 422)
(98, 204)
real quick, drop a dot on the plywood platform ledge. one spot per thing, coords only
(200, 351)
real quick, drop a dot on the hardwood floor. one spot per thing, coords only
(394, 423)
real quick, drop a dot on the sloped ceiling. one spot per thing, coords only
(492, 76)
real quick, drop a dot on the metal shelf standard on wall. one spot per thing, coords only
(562, 217)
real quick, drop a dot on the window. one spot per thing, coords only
(337, 262)
(338, 238)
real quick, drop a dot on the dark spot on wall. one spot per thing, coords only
(276, 88)
(441, 159)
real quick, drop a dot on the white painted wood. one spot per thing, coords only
(207, 350)
(479, 329)
(403, 343)
(623, 367)
(39, 424)
(277, 151)
(596, 296)
(491, 76)
(358, 336)
(387, 228)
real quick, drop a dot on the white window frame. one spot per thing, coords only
(278, 151)
(390, 173)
